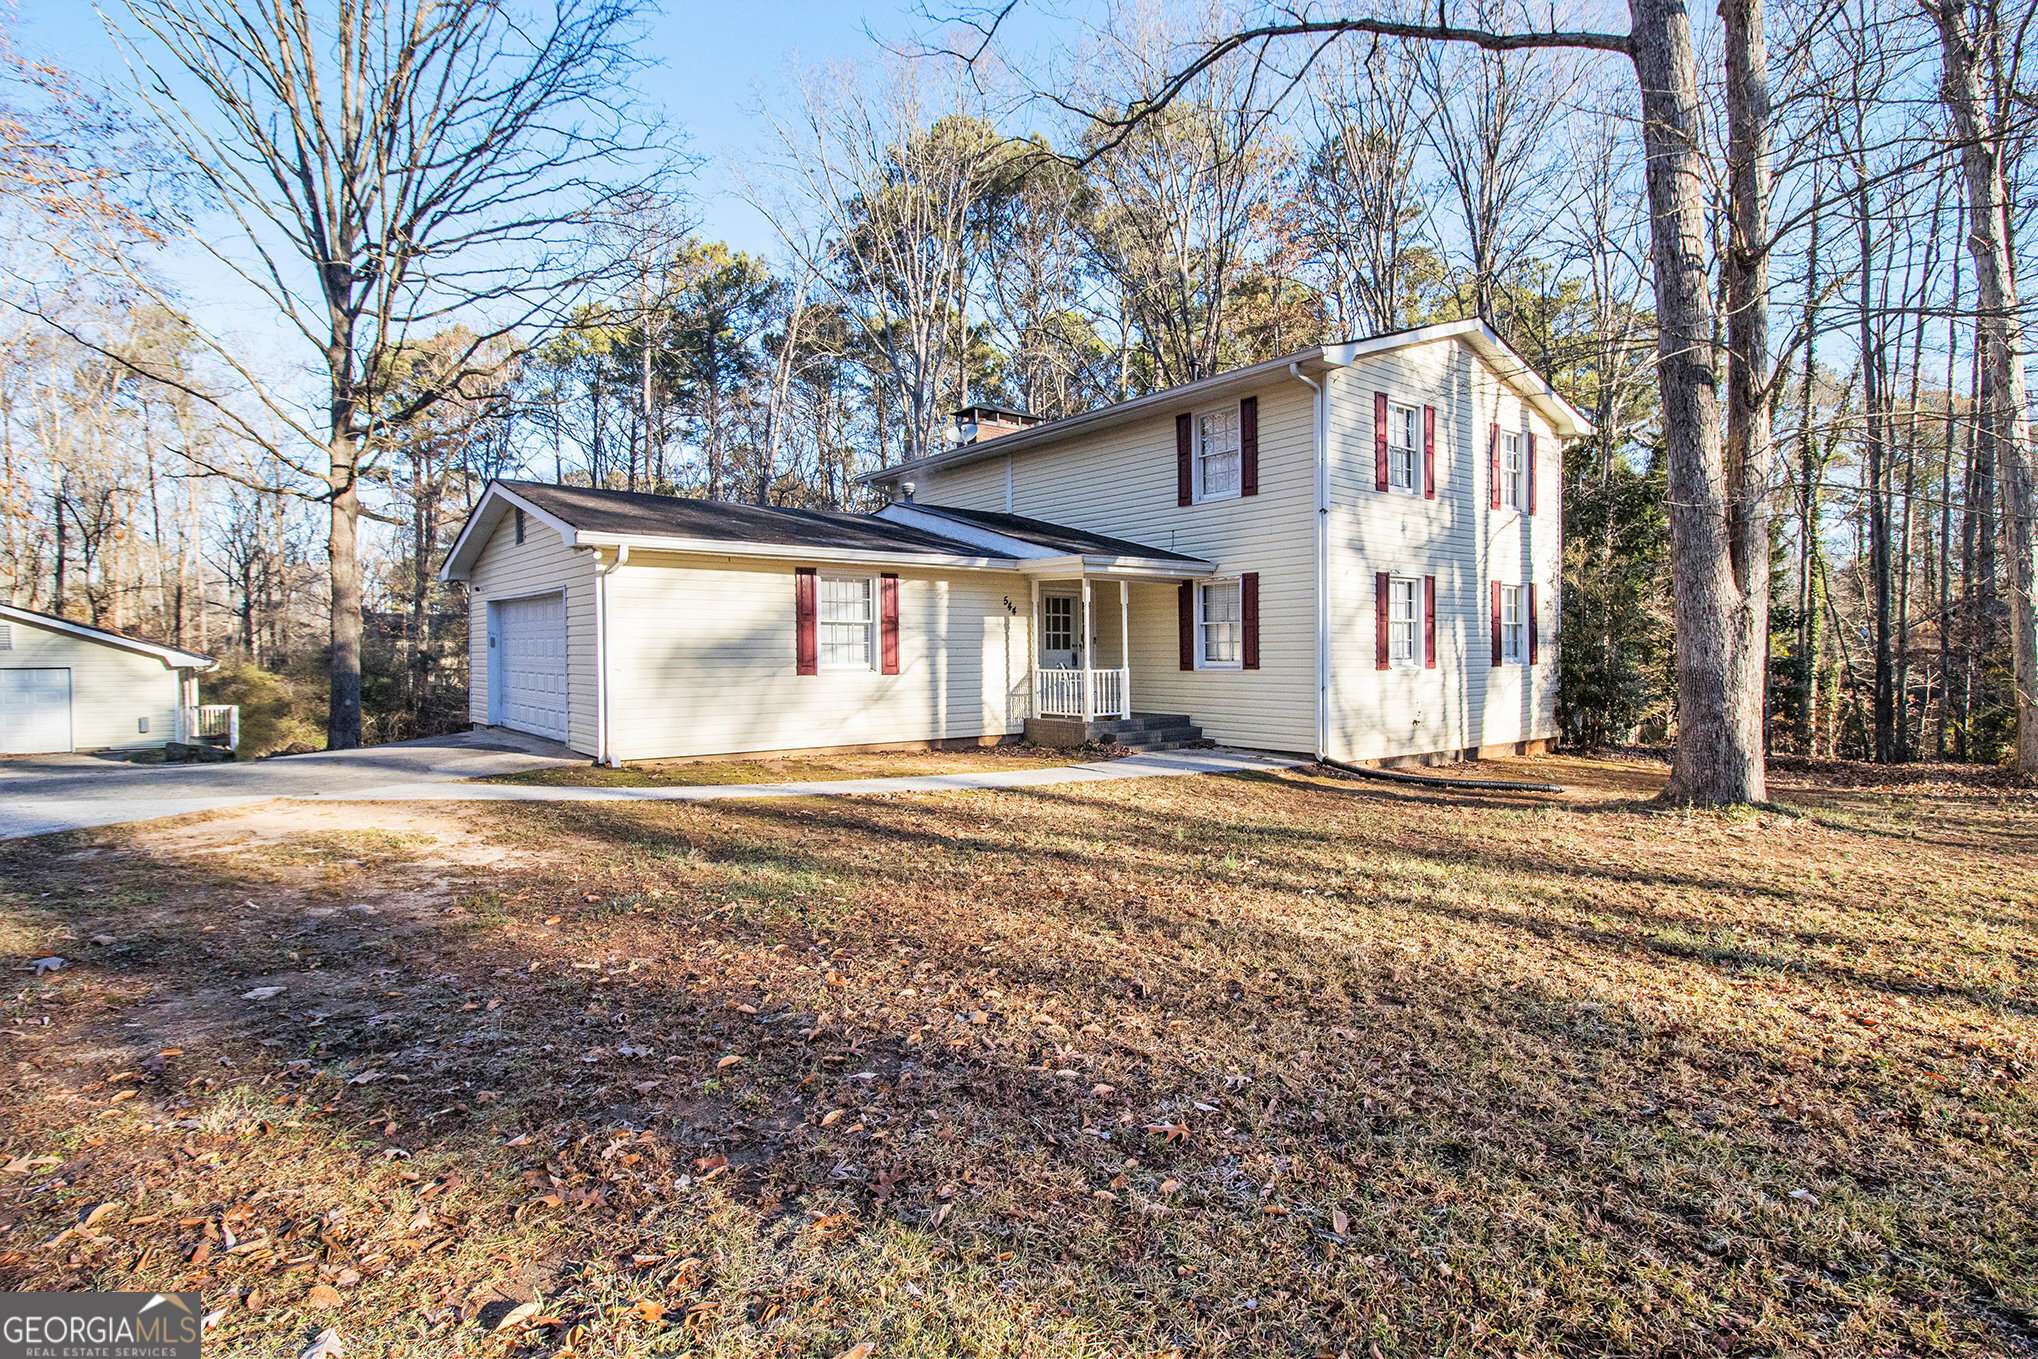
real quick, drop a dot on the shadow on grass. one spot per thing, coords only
(1328, 1059)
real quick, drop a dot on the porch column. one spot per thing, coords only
(1125, 646)
(1033, 653)
(1089, 661)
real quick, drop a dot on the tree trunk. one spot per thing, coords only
(1719, 594)
(343, 718)
(2000, 426)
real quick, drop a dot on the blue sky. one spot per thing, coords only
(716, 62)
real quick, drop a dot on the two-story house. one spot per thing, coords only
(1353, 551)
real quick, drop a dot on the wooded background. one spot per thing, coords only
(517, 286)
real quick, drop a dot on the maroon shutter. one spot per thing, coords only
(1380, 441)
(1380, 620)
(1529, 471)
(888, 621)
(1493, 466)
(1249, 445)
(806, 656)
(1188, 620)
(1429, 622)
(1429, 452)
(1529, 603)
(1249, 619)
(1496, 622)
(1184, 487)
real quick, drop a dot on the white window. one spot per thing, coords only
(1217, 454)
(1510, 470)
(1404, 605)
(1058, 622)
(1219, 628)
(1404, 447)
(1513, 626)
(848, 623)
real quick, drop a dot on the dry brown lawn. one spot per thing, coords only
(1257, 1065)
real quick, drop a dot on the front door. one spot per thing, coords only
(1061, 645)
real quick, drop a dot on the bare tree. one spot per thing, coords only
(2002, 429)
(372, 168)
(1717, 484)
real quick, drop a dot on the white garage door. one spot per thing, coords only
(35, 711)
(530, 665)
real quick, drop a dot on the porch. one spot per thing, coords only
(1082, 669)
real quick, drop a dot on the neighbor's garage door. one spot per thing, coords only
(530, 664)
(35, 711)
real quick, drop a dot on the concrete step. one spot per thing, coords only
(1170, 738)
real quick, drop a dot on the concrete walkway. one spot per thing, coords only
(43, 795)
(1163, 764)
(46, 793)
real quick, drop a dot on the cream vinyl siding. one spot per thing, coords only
(701, 661)
(1122, 482)
(507, 569)
(1465, 701)
(112, 688)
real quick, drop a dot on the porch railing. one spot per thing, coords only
(1059, 693)
(218, 723)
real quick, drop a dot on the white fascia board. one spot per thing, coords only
(481, 522)
(716, 547)
(1516, 371)
(176, 658)
(1153, 568)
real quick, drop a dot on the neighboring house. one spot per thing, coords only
(1352, 551)
(66, 686)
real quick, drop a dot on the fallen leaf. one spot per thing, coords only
(267, 993)
(368, 1077)
(326, 1346)
(97, 1212)
(1340, 1221)
(731, 1060)
(517, 1316)
(862, 1351)
(323, 1296)
(650, 1309)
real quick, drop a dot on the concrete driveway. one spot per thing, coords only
(41, 794)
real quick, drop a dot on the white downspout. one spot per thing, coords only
(1321, 435)
(601, 653)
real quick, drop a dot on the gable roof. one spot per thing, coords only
(587, 517)
(1514, 370)
(177, 658)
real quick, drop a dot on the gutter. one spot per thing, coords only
(1321, 437)
(601, 654)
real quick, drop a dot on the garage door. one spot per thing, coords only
(35, 711)
(530, 665)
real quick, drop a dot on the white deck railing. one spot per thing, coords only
(220, 722)
(1059, 693)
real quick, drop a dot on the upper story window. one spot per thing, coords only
(1404, 595)
(1513, 626)
(1404, 446)
(848, 623)
(1217, 454)
(1219, 625)
(1510, 469)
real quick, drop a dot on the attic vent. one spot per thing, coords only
(6, 636)
(520, 526)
